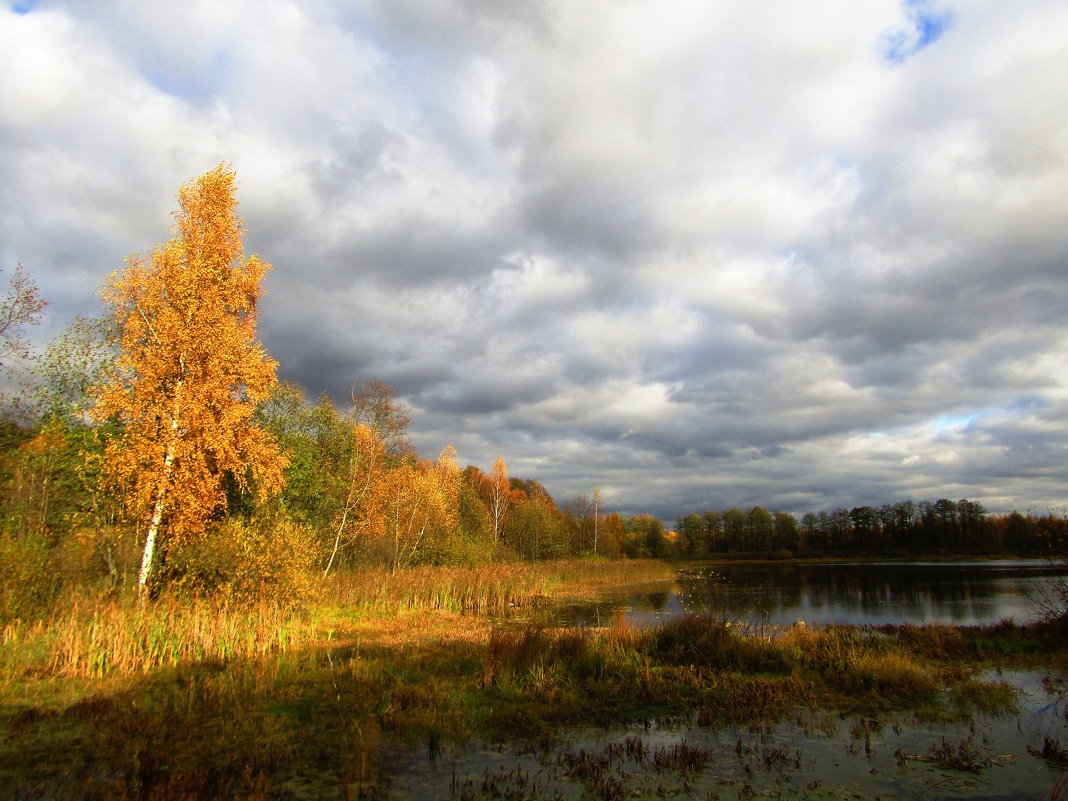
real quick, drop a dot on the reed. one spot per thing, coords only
(479, 590)
(94, 637)
(488, 589)
(891, 675)
(724, 671)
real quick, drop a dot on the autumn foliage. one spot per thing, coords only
(189, 371)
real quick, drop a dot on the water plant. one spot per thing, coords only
(1051, 750)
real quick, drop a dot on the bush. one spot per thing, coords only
(250, 562)
(28, 579)
(109, 555)
(1049, 602)
(460, 553)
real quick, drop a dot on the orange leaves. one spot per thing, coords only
(499, 496)
(190, 369)
(415, 510)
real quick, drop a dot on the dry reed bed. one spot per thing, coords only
(488, 589)
(91, 635)
(725, 670)
(96, 638)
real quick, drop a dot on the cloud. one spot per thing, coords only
(706, 255)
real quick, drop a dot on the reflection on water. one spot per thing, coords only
(810, 755)
(869, 593)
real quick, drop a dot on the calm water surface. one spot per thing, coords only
(813, 755)
(861, 593)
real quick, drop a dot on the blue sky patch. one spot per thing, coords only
(953, 421)
(926, 25)
(25, 6)
(1021, 407)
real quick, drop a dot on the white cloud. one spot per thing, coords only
(701, 254)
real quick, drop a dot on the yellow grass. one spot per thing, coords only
(484, 590)
(92, 636)
(95, 637)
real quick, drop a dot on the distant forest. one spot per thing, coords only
(942, 526)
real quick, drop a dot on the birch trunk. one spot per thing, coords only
(149, 554)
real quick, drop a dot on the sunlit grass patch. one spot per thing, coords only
(891, 675)
(99, 637)
(488, 589)
(997, 697)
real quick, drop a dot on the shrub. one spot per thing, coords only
(1049, 602)
(28, 579)
(249, 562)
(111, 554)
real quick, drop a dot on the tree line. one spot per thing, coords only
(905, 527)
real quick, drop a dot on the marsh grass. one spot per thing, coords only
(892, 675)
(95, 634)
(956, 643)
(700, 665)
(197, 697)
(479, 590)
(490, 589)
(100, 637)
(963, 755)
(997, 697)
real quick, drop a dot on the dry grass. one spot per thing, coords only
(242, 703)
(94, 637)
(90, 635)
(891, 675)
(97, 640)
(478, 590)
(485, 590)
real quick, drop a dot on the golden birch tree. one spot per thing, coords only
(499, 496)
(189, 372)
(419, 502)
(363, 472)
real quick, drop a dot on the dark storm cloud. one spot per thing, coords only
(585, 214)
(420, 250)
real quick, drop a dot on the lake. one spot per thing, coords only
(823, 593)
(811, 754)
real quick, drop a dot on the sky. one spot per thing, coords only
(699, 255)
